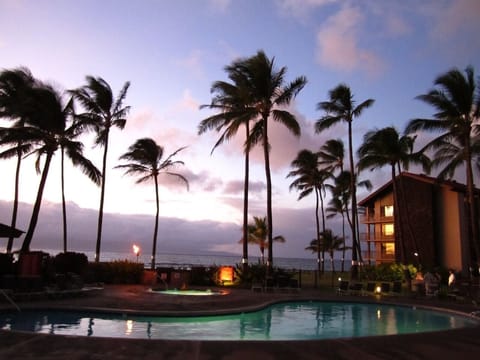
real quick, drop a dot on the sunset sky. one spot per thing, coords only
(172, 52)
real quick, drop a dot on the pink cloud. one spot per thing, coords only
(338, 45)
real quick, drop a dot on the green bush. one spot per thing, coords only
(116, 272)
(386, 272)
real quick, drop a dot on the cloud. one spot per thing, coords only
(175, 235)
(236, 187)
(301, 8)
(219, 6)
(338, 44)
(193, 63)
(456, 16)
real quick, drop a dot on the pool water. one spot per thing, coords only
(283, 321)
(190, 292)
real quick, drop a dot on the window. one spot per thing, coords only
(387, 210)
(388, 229)
(388, 249)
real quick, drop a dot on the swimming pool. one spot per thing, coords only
(282, 321)
(189, 292)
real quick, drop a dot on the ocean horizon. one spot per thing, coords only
(177, 260)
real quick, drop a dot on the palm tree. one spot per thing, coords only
(329, 243)
(386, 147)
(146, 161)
(341, 107)
(45, 119)
(258, 234)
(309, 178)
(104, 111)
(337, 206)
(268, 93)
(232, 101)
(457, 100)
(14, 87)
(74, 150)
(331, 155)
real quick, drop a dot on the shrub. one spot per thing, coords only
(116, 272)
(386, 272)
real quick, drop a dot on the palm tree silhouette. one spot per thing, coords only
(268, 93)
(146, 161)
(386, 147)
(258, 234)
(331, 155)
(309, 178)
(103, 111)
(74, 150)
(45, 118)
(327, 242)
(341, 107)
(14, 87)
(457, 100)
(232, 100)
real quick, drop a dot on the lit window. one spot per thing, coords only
(387, 229)
(387, 210)
(388, 249)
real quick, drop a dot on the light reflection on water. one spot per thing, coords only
(285, 321)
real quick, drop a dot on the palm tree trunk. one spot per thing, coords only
(102, 199)
(15, 200)
(317, 222)
(64, 209)
(245, 202)
(269, 195)
(322, 207)
(397, 220)
(344, 248)
(353, 191)
(155, 231)
(36, 207)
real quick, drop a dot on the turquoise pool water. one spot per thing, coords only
(283, 321)
(190, 292)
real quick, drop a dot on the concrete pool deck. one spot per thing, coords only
(438, 345)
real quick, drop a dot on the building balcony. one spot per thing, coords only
(375, 219)
(377, 257)
(376, 237)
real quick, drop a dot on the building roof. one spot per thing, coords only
(387, 187)
(8, 231)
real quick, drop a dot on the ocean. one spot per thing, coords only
(189, 260)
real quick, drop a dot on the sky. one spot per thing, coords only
(171, 52)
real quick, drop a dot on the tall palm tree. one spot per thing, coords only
(146, 160)
(268, 93)
(233, 104)
(342, 107)
(386, 147)
(14, 87)
(103, 112)
(309, 178)
(456, 98)
(337, 207)
(45, 118)
(74, 150)
(258, 234)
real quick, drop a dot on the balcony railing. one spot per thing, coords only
(376, 237)
(375, 219)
